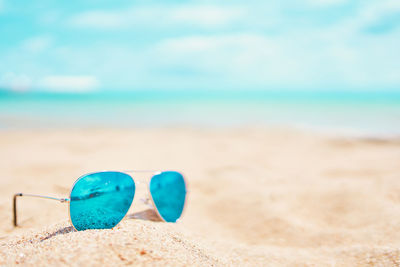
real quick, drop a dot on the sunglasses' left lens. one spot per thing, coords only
(100, 200)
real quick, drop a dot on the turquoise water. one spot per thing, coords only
(372, 113)
(101, 200)
(168, 190)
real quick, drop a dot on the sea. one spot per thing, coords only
(372, 114)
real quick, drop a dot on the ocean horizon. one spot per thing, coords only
(349, 113)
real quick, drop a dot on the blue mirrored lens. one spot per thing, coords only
(168, 190)
(100, 200)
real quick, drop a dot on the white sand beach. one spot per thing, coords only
(257, 197)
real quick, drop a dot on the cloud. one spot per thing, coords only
(15, 81)
(100, 20)
(205, 16)
(369, 15)
(37, 44)
(307, 44)
(315, 60)
(380, 17)
(241, 59)
(326, 3)
(80, 83)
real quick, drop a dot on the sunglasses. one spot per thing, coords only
(100, 200)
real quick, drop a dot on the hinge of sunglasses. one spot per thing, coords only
(62, 200)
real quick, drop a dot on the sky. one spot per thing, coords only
(97, 45)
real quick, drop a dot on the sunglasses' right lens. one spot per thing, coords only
(100, 200)
(168, 191)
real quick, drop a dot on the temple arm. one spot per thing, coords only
(62, 200)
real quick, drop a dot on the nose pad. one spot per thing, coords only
(149, 214)
(146, 201)
(143, 194)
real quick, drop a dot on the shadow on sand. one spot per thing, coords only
(147, 215)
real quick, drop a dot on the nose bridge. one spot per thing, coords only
(142, 200)
(142, 180)
(142, 171)
(142, 188)
(142, 176)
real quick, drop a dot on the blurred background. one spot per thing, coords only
(261, 104)
(329, 65)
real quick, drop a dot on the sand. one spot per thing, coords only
(268, 197)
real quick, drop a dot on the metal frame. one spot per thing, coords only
(62, 200)
(65, 200)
